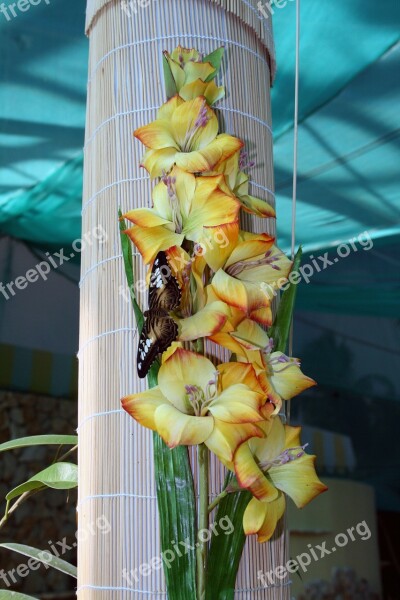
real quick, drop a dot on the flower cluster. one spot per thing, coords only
(224, 273)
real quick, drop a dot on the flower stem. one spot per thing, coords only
(202, 548)
(217, 500)
(232, 488)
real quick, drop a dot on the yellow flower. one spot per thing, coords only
(270, 468)
(238, 182)
(195, 403)
(193, 76)
(248, 279)
(185, 134)
(280, 376)
(185, 207)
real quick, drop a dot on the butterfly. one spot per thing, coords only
(159, 329)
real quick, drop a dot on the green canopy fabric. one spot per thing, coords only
(348, 134)
(348, 187)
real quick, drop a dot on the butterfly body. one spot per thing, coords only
(159, 329)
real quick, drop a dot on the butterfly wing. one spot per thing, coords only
(159, 329)
(164, 290)
(158, 333)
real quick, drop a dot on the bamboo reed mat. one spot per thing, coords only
(125, 88)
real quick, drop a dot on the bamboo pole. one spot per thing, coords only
(125, 87)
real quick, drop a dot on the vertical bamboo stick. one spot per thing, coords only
(125, 87)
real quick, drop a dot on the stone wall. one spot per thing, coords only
(49, 516)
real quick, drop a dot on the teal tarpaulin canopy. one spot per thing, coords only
(348, 187)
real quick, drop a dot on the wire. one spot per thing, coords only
(295, 162)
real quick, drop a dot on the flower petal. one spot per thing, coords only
(150, 240)
(158, 161)
(250, 476)
(256, 206)
(249, 249)
(181, 369)
(204, 160)
(268, 273)
(298, 480)
(210, 207)
(218, 243)
(268, 449)
(262, 315)
(237, 404)
(292, 436)
(210, 91)
(254, 516)
(161, 201)
(250, 335)
(156, 135)
(187, 134)
(230, 290)
(287, 379)
(234, 372)
(204, 323)
(185, 190)
(143, 405)
(198, 70)
(178, 429)
(225, 438)
(263, 519)
(145, 217)
(167, 109)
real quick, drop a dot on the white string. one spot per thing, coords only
(258, 15)
(116, 495)
(99, 414)
(131, 112)
(109, 186)
(147, 178)
(102, 262)
(104, 334)
(296, 127)
(116, 116)
(294, 199)
(248, 115)
(295, 157)
(118, 589)
(262, 187)
(172, 37)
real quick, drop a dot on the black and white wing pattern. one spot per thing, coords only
(159, 329)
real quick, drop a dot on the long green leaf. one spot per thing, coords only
(215, 58)
(40, 440)
(281, 327)
(43, 556)
(174, 482)
(7, 595)
(128, 264)
(170, 85)
(60, 476)
(176, 506)
(226, 551)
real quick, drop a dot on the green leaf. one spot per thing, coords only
(175, 492)
(7, 595)
(40, 440)
(279, 331)
(43, 556)
(60, 476)
(226, 551)
(170, 85)
(215, 58)
(176, 506)
(128, 264)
